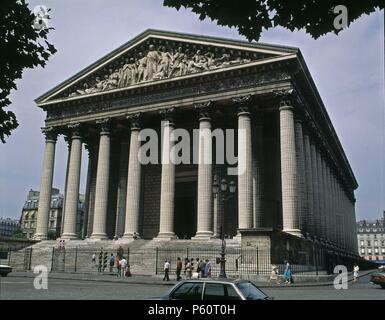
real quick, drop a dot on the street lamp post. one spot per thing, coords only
(227, 191)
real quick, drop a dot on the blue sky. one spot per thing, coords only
(348, 70)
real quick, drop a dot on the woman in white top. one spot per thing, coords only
(355, 272)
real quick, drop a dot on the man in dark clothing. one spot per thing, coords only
(179, 266)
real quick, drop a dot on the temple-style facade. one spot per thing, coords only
(296, 176)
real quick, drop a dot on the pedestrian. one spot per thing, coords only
(93, 258)
(188, 270)
(117, 261)
(112, 262)
(166, 269)
(202, 266)
(207, 269)
(123, 264)
(178, 268)
(355, 273)
(128, 271)
(288, 274)
(274, 274)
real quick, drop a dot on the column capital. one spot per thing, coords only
(168, 114)
(50, 134)
(204, 110)
(105, 125)
(75, 129)
(135, 120)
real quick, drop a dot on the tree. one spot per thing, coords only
(250, 17)
(19, 234)
(23, 45)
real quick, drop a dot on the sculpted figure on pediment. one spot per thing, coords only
(161, 63)
(152, 62)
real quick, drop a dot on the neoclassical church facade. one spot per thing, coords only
(297, 178)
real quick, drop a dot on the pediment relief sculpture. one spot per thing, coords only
(161, 62)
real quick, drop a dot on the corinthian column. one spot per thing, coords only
(259, 215)
(309, 183)
(73, 183)
(289, 170)
(167, 185)
(316, 195)
(133, 181)
(102, 182)
(46, 184)
(205, 179)
(302, 208)
(245, 164)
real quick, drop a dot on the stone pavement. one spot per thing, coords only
(158, 279)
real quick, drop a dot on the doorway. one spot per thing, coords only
(185, 209)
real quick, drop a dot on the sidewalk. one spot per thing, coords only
(157, 280)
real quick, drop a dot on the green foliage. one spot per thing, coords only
(22, 46)
(250, 17)
(19, 234)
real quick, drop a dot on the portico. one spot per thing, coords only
(295, 178)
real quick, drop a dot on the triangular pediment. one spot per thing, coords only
(156, 56)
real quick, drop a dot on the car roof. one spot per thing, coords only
(222, 280)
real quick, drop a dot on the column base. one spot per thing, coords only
(294, 232)
(40, 236)
(203, 235)
(98, 236)
(131, 235)
(166, 236)
(69, 236)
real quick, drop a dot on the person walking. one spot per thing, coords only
(207, 269)
(202, 266)
(112, 262)
(166, 269)
(93, 258)
(178, 268)
(123, 264)
(356, 269)
(288, 274)
(274, 274)
(188, 270)
(117, 262)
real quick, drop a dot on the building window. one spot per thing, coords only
(362, 251)
(376, 251)
(370, 251)
(369, 243)
(362, 243)
(375, 243)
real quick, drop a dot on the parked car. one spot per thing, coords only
(214, 289)
(4, 270)
(378, 278)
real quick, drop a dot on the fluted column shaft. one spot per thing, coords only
(300, 153)
(133, 182)
(88, 191)
(205, 179)
(46, 187)
(73, 183)
(321, 195)
(259, 216)
(316, 195)
(102, 183)
(167, 185)
(325, 199)
(309, 184)
(289, 171)
(245, 175)
(122, 190)
(91, 202)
